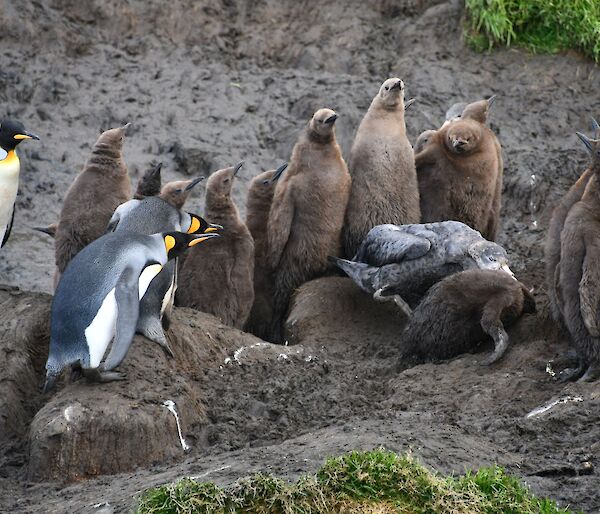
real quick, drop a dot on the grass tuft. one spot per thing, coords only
(547, 26)
(378, 481)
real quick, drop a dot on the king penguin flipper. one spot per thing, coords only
(8, 228)
(128, 307)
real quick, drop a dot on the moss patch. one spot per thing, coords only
(374, 482)
(539, 25)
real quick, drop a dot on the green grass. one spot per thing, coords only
(538, 25)
(378, 481)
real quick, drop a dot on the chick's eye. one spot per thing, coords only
(226, 180)
(492, 258)
(178, 190)
(387, 88)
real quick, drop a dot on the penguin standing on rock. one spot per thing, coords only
(93, 197)
(307, 212)
(226, 271)
(258, 204)
(382, 167)
(11, 134)
(150, 216)
(113, 274)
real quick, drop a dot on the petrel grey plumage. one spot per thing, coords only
(400, 262)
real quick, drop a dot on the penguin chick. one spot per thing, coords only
(11, 134)
(226, 271)
(423, 139)
(150, 183)
(382, 167)
(98, 190)
(307, 213)
(113, 273)
(460, 176)
(176, 193)
(578, 278)
(462, 311)
(557, 222)
(258, 204)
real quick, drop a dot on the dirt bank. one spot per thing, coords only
(209, 83)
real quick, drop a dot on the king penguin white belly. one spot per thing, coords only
(102, 328)
(9, 185)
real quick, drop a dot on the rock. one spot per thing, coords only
(89, 429)
(24, 337)
(334, 308)
(193, 161)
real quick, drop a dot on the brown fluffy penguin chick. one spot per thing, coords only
(552, 246)
(462, 311)
(258, 205)
(578, 277)
(220, 282)
(307, 212)
(463, 158)
(177, 192)
(382, 167)
(150, 182)
(479, 110)
(98, 190)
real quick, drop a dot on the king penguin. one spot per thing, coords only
(150, 216)
(98, 297)
(11, 134)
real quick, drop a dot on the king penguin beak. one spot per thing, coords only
(278, 172)
(212, 227)
(586, 141)
(27, 135)
(408, 103)
(237, 167)
(202, 238)
(193, 183)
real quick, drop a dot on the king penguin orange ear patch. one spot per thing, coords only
(194, 226)
(169, 242)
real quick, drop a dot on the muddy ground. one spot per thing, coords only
(208, 83)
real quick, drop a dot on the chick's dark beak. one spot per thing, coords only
(237, 167)
(193, 183)
(397, 85)
(586, 141)
(278, 173)
(331, 119)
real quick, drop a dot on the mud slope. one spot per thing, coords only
(208, 83)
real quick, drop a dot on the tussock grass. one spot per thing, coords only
(547, 26)
(377, 482)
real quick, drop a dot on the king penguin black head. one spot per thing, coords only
(199, 225)
(178, 242)
(12, 133)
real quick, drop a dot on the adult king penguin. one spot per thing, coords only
(11, 134)
(98, 297)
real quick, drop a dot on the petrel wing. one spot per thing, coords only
(8, 228)
(387, 244)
